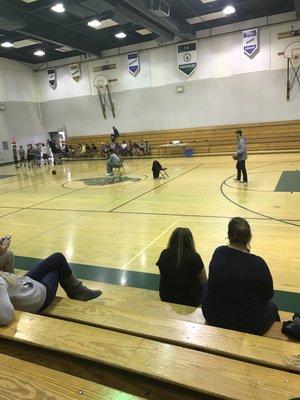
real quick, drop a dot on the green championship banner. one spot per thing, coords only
(187, 57)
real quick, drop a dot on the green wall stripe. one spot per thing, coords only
(286, 301)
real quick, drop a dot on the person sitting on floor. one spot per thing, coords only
(113, 161)
(240, 285)
(182, 273)
(156, 168)
(36, 290)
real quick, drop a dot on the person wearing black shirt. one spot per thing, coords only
(182, 273)
(115, 134)
(239, 286)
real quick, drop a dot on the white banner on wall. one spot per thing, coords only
(52, 78)
(187, 57)
(75, 72)
(133, 63)
(250, 42)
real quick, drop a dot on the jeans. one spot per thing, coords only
(241, 168)
(51, 271)
(110, 166)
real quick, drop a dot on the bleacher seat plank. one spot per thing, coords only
(195, 370)
(110, 377)
(228, 343)
(119, 299)
(122, 298)
(21, 380)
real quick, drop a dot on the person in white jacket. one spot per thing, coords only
(36, 290)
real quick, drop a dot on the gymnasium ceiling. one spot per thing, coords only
(31, 25)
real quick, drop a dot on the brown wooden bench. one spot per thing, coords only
(198, 336)
(190, 369)
(120, 380)
(118, 298)
(21, 380)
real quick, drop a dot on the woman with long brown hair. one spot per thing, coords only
(240, 286)
(182, 273)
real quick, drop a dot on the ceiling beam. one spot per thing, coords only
(41, 28)
(140, 19)
(178, 27)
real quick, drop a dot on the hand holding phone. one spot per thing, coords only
(5, 239)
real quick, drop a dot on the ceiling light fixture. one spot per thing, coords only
(39, 53)
(59, 8)
(120, 35)
(229, 10)
(94, 23)
(7, 44)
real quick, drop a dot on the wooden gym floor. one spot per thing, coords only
(115, 233)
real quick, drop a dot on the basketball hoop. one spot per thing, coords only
(292, 55)
(101, 83)
(292, 51)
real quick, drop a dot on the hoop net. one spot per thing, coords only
(100, 83)
(292, 52)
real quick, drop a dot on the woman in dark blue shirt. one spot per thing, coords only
(182, 273)
(240, 285)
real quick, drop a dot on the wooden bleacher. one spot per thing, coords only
(151, 349)
(198, 336)
(198, 371)
(261, 137)
(21, 380)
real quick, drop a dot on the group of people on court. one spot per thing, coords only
(36, 155)
(237, 294)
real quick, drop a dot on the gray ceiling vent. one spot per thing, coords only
(160, 8)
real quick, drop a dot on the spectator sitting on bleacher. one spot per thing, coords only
(142, 148)
(147, 148)
(36, 290)
(124, 147)
(240, 285)
(94, 149)
(182, 273)
(136, 149)
(130, 148)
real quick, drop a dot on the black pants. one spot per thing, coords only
(241, 168)
(257, 324)
(156, 172)
(51, 271)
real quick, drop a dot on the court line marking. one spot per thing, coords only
(254, 190)
(150, 244)
(248, 209)
(151, 190)
(50, 199)
(149, 213)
